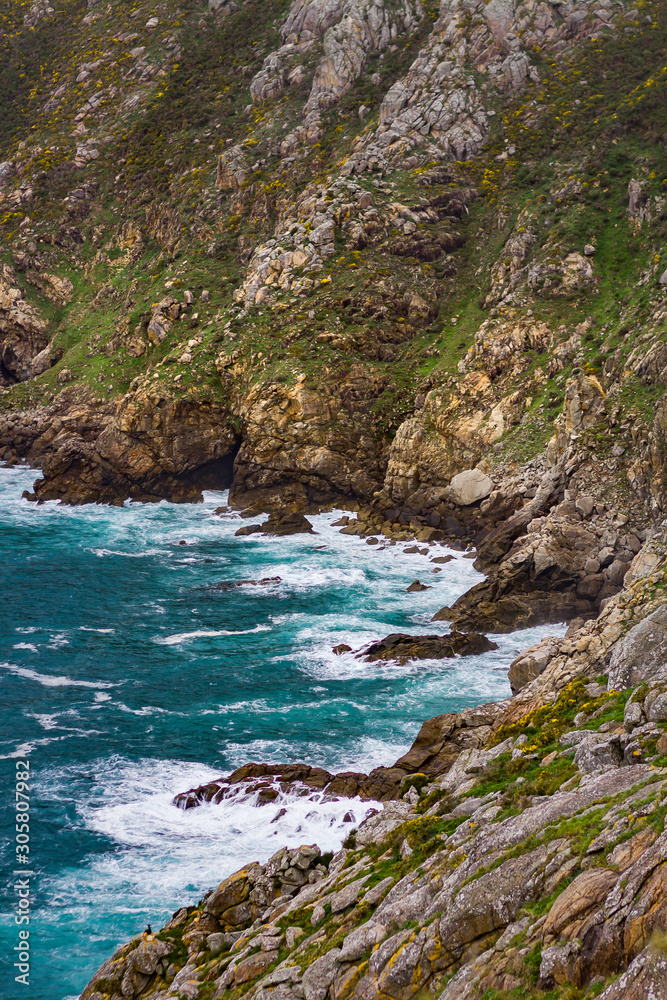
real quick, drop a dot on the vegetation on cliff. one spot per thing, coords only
(348, 251)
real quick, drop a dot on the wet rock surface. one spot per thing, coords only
(402, 648)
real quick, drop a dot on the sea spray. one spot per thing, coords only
(132, 668)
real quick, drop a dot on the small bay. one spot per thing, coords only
(133, 667)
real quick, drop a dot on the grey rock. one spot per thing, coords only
(657, 709)
(381, 955)
(633, 715)
(598, 754)
(361, 939)
(347, 896)
(376, 827)
(319, 976)
(375, 894)
(642, 654)
(469, 486)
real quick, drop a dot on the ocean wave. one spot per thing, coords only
(205, 633)
(49, 680)
(102, 552)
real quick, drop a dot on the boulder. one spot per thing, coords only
(531, 663)
(319, 976)
(595, 754)
(470, 486)
(347, 896)
(253, 966)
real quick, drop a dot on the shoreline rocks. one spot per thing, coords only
(403, 648)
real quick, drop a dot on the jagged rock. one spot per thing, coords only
(151, 447)
(508, 613)
(23, 332)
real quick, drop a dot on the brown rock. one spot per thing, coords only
(581, 896)
(254, 966)
(287, 524)
(402, 647)
(511, 612)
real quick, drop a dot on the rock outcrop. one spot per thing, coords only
(438, 890)
(402, 647)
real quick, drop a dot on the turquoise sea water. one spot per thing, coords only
(128, 674)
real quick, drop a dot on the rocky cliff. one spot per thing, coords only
(521, 852)
(407, 257)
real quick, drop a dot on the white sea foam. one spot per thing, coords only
(48, 680)
(162, 849)
(205, 633)
(335, 589)
(26, 645)
(102, 552)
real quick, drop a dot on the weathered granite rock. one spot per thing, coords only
(531, 663)
(642, 654)
(469, 486)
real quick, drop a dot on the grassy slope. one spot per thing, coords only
(577, 146)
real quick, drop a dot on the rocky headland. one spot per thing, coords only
(407, 259)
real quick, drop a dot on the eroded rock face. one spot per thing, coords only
(153, 447)
(342, 33)
(23, 332)
(297, 434)
(453, 916)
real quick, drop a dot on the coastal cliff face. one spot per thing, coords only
(406, 257)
